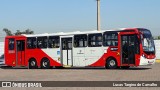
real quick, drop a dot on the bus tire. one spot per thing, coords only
(45, 63)
(32, 64)
(125, 67)
(111, 63)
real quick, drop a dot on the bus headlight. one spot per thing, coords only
(144, 56)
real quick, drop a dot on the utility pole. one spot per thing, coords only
(98, 16)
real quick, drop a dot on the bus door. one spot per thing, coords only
(20, 52)
(66, 51)
(129, 46)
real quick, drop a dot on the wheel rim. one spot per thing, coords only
(45, 63)
(112, 63)
(33, 63)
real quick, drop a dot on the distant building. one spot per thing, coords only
(1, 53)
(157, 45)
(1, 48)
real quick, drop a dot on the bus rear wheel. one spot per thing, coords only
(32, 64)
(45, 63)
(111, 63)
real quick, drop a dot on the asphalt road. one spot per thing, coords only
(143, 73)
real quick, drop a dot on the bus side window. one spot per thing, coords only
(11, 44)
(80, 40)
(95, 40)
(53, 42)
(31, 43)
(42, 42)
(110, 39)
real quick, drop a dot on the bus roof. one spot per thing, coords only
(71, 33)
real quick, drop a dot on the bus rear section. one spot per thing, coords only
(32, 52)
(15, 51)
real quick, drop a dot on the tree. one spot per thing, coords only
(28, 31)
(158, 37)
(8, 32)
(18, 32)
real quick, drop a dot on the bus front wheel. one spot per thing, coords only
(111, 63)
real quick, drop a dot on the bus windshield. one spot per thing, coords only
(147, 41)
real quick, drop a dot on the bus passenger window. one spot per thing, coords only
(31, 43)
(80, 40)
(11, 44)
(110, 39)
(53, 42)
(95, 40)
(42, 42)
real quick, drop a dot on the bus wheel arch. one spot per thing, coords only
(111, 63)
(32, 63)
(45, 63)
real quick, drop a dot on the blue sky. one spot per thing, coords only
(52, 16)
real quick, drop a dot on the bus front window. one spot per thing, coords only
(148, 45)
(147, 41)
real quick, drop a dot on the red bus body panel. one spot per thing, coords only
(24, 56)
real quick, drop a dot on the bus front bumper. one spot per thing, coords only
(146, 62)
